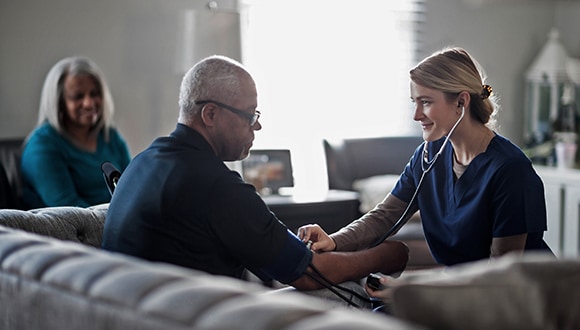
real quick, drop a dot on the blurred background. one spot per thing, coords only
(324, 69)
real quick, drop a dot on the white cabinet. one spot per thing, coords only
(562, 189)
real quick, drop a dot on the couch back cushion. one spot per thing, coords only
(348, 160)
(82, 225)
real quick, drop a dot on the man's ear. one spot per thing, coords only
(208, 113)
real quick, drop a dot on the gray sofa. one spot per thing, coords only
(68, 283)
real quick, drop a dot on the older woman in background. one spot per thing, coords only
(62, 156)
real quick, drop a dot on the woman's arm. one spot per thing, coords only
(44, 167)
(503, 245)
(123, 155)
(361, 233)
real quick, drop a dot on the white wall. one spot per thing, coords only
(135, 42)
(505, 37)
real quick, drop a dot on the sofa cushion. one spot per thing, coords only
(82, 225)
(374, 189)
(358, 158)
(512, 292)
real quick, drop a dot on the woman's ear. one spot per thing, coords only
(463, 99)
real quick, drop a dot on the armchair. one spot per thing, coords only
(10, 179)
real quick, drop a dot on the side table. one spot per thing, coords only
(331, 211)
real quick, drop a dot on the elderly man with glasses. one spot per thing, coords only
(178, 202)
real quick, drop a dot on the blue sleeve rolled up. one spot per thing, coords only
(292, 261)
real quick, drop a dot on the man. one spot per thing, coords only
(177, 201)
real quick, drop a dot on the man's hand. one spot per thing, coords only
(321, 242)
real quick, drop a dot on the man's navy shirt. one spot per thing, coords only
(177, 202)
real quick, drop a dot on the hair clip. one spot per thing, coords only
(486, 92)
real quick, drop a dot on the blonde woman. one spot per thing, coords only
(478, 194)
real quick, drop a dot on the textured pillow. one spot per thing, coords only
(373, 190)
(512, 292)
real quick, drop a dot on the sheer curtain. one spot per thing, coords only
(329, 69)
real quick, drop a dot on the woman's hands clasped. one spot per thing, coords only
(321, 242)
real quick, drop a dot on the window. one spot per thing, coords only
(327, 69)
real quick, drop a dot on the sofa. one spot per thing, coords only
(371, 167)
(54, 276)
(69, 283)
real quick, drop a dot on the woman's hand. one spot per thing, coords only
(388, 283)
(321, 242)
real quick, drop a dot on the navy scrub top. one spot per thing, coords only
(498, 195)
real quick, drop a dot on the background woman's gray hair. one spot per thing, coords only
(51, 98)
(215, 78)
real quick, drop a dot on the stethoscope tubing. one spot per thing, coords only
(425, 169)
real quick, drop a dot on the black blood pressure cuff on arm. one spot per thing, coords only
(290, 263)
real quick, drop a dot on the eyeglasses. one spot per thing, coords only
(251, 117)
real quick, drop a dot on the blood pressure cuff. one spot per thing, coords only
(289, 264)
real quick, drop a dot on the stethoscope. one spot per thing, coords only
(426, 166)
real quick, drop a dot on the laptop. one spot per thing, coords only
(269, 170)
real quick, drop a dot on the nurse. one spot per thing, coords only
(478, 194)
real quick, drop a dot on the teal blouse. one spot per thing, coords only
(55, 172)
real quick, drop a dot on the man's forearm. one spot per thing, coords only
(387, 258)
